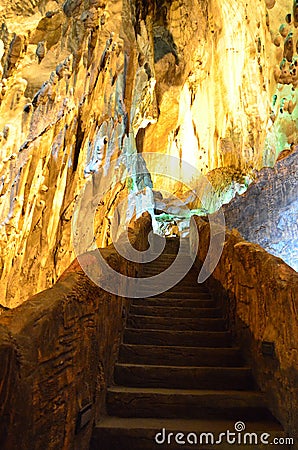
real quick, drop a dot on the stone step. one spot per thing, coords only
(187, 293)
(139, 434)
(159, 260)
(191, 273)
(180, 356)
(166, 255)
(166, 262)
(179, 324)
(175, 285)
(174, 311)
(182, 294)
(186, 404)
(175, 278)
(188, 283)
(162, 265)
(185, 285)
(190, 276)
(179, 377)
(201, 302)
(183, 338)
(177, 289)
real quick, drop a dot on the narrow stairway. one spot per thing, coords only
(178, 371)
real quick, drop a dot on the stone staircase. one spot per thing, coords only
(179, 370)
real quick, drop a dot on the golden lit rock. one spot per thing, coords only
(211, 83)
(137, 115)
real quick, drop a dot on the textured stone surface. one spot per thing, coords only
(259, 292)
(85, 81)
(53, 130)
(57, 352)
(54, 340)
(215, 91)
(170, 382)
(267, 213)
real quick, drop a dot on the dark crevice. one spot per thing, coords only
(155, 12)
(79, 141)
(164, 44)
(143, 8)
(140, 140)
(163, 39)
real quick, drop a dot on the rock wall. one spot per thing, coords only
(217, 80)
(49, 374)
(259, 294)
(84, 81)
(57, 354)
(57, 133)
(267, 213)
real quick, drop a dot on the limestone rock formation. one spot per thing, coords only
(267, 213)
(83, 82)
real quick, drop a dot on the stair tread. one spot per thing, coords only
(157, 337)
(185, 424)
(215, 319)
(168, 302)
(205, 400)
(204, 296)
(175, 376)
(147, 399)
(201, 295)
(146, 319)
(186, 348)
(180, 355)
(173, 306)
(208, 368)
(175, 301)
(176, 323)
(153, 330)
(139, 433)
(172, 295)
(188, 403)
(254, 394)
(159, 311)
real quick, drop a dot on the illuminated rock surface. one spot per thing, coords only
(84, 81)
(267, 213)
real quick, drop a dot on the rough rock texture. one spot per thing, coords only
(259, 293)
(267, 213)
(49, 373)
(57, 352)
(84, 81)
(53, 131)
(215, 86)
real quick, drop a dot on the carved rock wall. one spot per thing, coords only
(52, 343)
(259, 294)
(57, 353)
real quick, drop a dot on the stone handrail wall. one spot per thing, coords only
(57, 352)
(259, 294)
